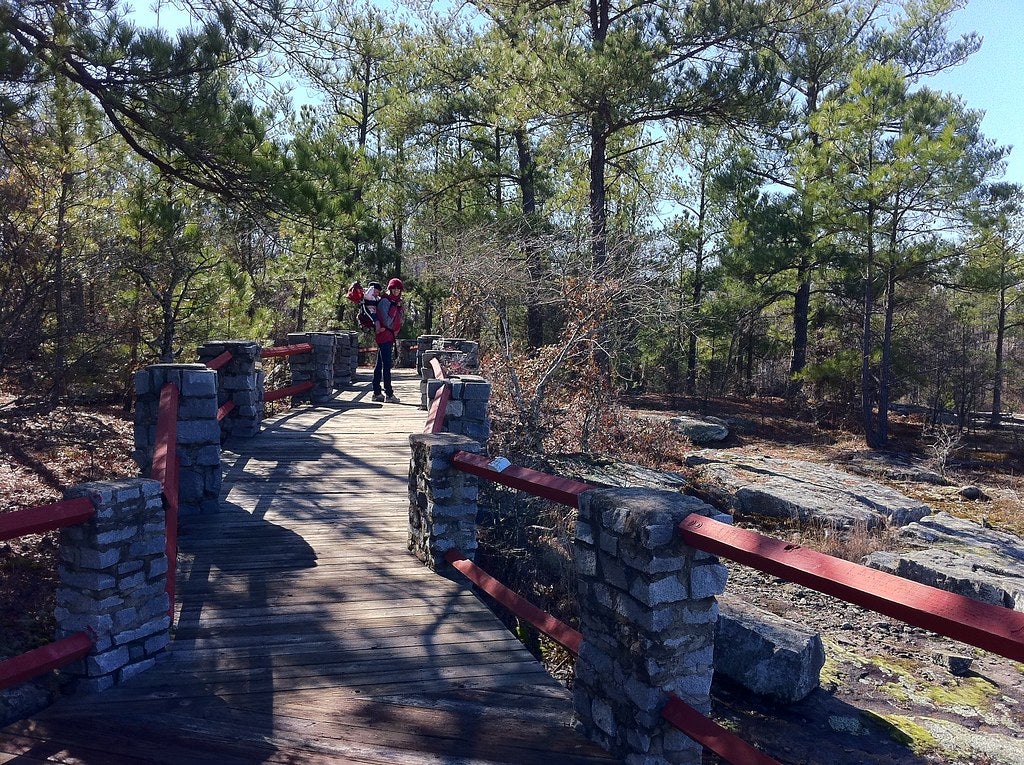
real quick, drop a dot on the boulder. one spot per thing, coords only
(753, 485)
(766, 654)
(700, 430)
(962, 557)
(973, 493)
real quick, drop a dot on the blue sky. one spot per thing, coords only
(992, 80)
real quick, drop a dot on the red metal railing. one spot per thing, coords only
(33, 663)
(993, 628)
(219, 361)
(438, 369)
(291, 390)
(225, 409)
(36, 520)
(557, 630)
(286, 350)
(438, 407)
(561, 490)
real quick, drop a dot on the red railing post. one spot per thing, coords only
(165, 470)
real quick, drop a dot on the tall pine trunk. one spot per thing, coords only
(867, 384)
(995, 419)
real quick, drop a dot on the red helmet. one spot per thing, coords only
(396, 282)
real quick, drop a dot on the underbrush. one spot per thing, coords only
(43, 452)
(526, 542)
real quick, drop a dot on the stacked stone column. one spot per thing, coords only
(113, 582)
(198, 432)
(317, 366)
(466, 413)
(647, 614)
(346, 358)
(424, 343)
(464, 352)
(241, 381)
(442, 500)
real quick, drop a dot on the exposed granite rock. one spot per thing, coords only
(894, 467)
(973, 493)
(751, 485)
(962, 557)
(610, 473)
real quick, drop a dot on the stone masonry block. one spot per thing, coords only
(105, 663)
(708, 580)
(658, 592)
(134, 669)
(199, 383)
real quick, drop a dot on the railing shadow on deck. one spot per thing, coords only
(281, 479)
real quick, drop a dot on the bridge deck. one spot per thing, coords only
(306, 632)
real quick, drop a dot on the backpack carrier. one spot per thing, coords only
(367, 300)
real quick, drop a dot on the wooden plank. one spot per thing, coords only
(430, 630)
(373, 737)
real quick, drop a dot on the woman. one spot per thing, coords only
(388, 324)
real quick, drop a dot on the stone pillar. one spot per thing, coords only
(458, 353)
(442, 500)
(647, 614)
(198, 446)
(241, 381)
(317, 366)
(346, 358)
(467, 408)
(113, 582)
(424, 343)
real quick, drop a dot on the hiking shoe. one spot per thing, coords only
(393, 399)
(378, 397)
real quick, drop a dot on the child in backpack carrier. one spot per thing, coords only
(368, 305)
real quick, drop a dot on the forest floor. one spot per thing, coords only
(887, 694)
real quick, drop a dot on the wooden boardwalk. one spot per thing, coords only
(306, 632)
